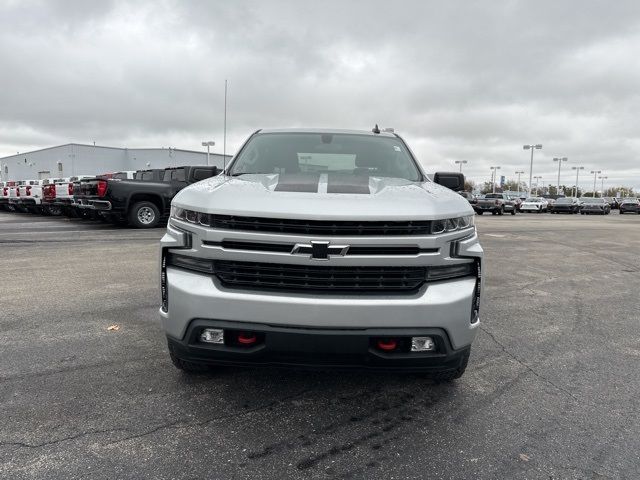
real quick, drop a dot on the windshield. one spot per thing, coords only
(592, 200)
(335, 153)
(493, 195)
(564, 200)
(533, 200)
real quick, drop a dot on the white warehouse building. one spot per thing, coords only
(78, 159)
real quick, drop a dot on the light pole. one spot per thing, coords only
(577, 169)
(559, 160)
(602, 186)
(532, 148)
(518, 173)
(493, 177)
(208, 144)
(460, 162)
(595, 174)
(538, 180)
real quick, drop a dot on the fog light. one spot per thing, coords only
(212, 335)
(422, 344)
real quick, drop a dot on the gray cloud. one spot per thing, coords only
(460, 80)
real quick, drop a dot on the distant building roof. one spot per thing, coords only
(111, 148)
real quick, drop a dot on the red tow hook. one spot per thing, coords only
(247, 338)
(387, 344)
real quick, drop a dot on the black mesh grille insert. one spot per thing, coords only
(353, 249)
(320, 227)
(272, 276)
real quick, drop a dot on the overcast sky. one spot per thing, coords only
(459, 80)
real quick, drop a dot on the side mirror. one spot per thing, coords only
(452, 180)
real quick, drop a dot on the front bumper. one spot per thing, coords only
(486, 207)
(318, 348)
(627, 209)
(446, 305)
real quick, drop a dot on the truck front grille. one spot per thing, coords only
(389, 250)
(319, 227)
(285, 277)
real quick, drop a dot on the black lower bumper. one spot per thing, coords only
(319, 348)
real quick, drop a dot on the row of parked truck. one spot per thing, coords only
(141, 199)
(501, 203)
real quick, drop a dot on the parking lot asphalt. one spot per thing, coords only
(552, 389)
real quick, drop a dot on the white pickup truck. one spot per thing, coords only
(14, 196)
(54, 192)
(4, 194)
(322, 248)
(31, 195)
(58, 195)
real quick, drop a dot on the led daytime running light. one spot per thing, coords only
(451, 224)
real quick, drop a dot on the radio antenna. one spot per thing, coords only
(224, 136)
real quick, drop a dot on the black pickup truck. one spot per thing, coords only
(141, 202)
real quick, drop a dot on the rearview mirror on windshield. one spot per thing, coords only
(452, 180)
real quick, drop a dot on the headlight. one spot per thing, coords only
(178, 213)
(190, 216)
(451, 224)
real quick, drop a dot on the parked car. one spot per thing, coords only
(139, 203)
(58, 196)
(87, 212)
(31, 196)
(14, 197)
(517, 200)
(279, 264)
(4, 195)
(534, 204)
(629, 205)
(496, 203)
(565, 205)
(594, 205)
(469, 196)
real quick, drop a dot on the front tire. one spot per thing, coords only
(144, 215)
(54, 211)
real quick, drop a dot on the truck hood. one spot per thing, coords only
(347, 197)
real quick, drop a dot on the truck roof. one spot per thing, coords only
(327, 130)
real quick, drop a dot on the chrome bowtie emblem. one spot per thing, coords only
(320, 250)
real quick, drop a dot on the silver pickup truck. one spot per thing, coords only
(496, 203)
(322, 248)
